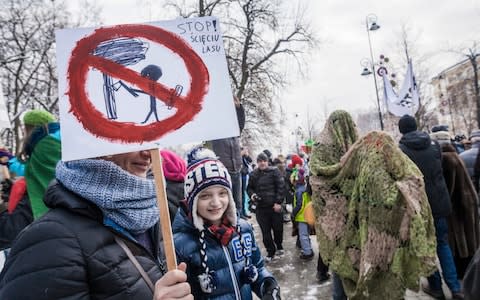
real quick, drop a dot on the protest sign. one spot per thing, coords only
(134, 87)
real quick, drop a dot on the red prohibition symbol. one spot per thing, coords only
(95, 122)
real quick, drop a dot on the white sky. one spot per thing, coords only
(334, 76)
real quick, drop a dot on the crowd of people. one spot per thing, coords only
(384, 214)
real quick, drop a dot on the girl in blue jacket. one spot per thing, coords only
(222, 257)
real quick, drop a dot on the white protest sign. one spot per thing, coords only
(141, 86)
(4, 119)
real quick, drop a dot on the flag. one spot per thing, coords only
(407, 101)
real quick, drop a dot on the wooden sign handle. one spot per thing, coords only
(163, 208)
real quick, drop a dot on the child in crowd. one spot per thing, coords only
(301, 199)
(222, 257)
(297, 178)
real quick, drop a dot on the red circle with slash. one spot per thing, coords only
(96, 122)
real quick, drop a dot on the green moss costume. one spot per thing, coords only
(374, 224)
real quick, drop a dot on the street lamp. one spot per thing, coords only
(371, 25)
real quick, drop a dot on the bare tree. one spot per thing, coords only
(27, 56)
(472, 54)
(463, 92)
(260, 44)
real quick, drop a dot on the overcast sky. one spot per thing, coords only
(334, 75)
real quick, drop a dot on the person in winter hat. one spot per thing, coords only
(427, 155)
(37, 117)
(300, 201)
(99, 240)
(266, 189)
(216, 245)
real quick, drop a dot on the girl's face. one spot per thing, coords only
(212, 203)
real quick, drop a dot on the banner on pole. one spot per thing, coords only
(407, 101)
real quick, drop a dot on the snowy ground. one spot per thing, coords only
(297, 277)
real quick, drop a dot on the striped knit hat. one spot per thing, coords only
(204, 170)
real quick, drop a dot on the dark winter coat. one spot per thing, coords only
(70, 253)
(175, 194)
(228, 150)
(463, 226)
(471, 287)
(227, 263)
(12, 224)
(427, 155)
(268, 184)
(469, 157)
(289, 187)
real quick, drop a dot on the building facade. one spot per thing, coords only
(454, 90)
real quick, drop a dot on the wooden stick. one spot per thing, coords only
(163, 208)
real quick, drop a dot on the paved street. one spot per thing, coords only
(297, 277)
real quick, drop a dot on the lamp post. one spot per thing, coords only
(371, 25)
(296, 132)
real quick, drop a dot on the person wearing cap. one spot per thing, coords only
(266, 190)
(463, 223)
(427, 155)
(223, 260)
(99, 240)
(301, 198)
(470, 157)
(41, 151)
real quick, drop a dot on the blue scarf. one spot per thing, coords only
(126, 199)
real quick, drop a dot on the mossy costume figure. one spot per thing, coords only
(374, 226)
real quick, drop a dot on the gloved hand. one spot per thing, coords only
(270, 290)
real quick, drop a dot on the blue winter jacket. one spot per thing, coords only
(226, 262)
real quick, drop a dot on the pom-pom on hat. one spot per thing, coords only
(205, 170)
(37, 117)
(407, 124)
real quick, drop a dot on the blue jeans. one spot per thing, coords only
(304, 235)
(446, 260)
(338, 293)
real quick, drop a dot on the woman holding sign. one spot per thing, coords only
(100, 239)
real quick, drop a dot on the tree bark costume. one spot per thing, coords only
(374, 225)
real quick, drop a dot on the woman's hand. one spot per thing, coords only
(173, 285)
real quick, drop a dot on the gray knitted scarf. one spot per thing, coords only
(126, 199)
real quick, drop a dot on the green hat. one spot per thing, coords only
(38, 117)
